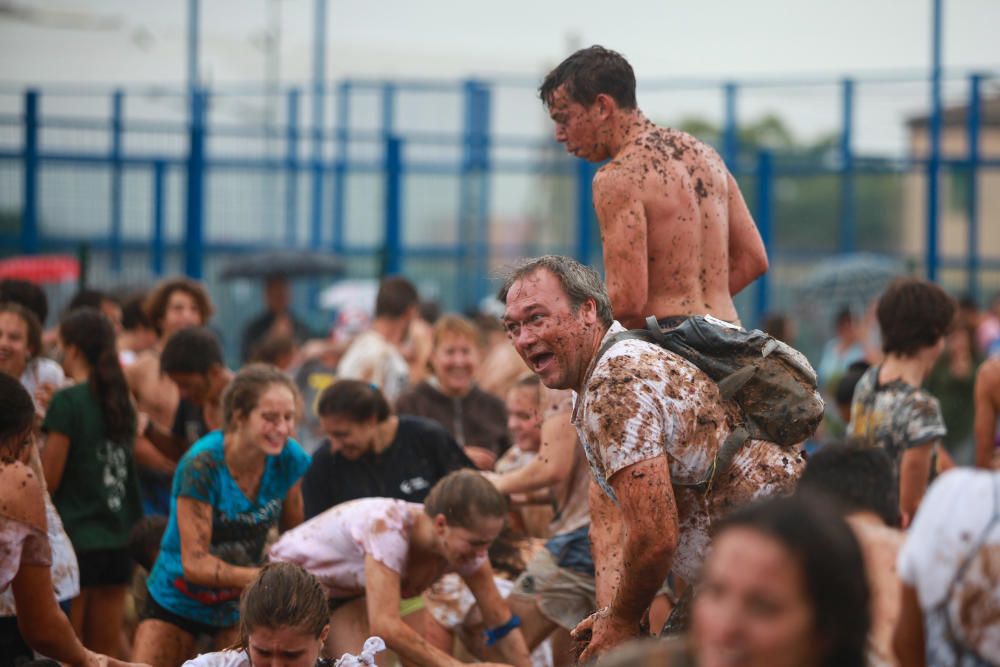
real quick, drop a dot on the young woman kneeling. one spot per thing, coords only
(371, 553)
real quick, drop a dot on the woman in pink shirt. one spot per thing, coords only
(369, 554)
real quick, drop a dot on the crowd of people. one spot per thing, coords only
(569, 491)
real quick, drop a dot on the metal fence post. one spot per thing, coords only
(117, 114)
(474, 189)
(584, 210)
(934, 160)
(730, 129)
(764, 216)
(847, 200)
(29, 209)
(291, 167)
(343, 112)
(973, 120)
(159, 212)
(194, 231)
(392, 252)
(319, 97)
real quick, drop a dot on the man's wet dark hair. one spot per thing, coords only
(913, 314)
(395, 295)
(859, 478)
(833, 570)
(590, 72)
(356, 400)
(28, 294)
(191, 350)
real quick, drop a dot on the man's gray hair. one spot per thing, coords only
(580, 282)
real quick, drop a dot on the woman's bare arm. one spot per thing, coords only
(194, 521)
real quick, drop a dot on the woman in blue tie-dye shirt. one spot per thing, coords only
(230, 488)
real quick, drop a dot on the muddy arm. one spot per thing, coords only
(747, 255)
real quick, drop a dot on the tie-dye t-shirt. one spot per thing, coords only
(333, 545)
(895, 416)
(239, 526)
(642, 402)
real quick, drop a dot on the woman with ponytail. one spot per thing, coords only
(90, 472)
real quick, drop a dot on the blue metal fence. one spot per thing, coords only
(442, 180)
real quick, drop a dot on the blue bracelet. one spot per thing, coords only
(493, 635)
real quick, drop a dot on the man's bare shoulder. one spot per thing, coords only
(988, 377)
(146, 366)
(987, 384)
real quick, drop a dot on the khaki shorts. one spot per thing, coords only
(564, 596)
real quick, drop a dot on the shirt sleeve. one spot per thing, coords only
(22, 545)
(59, 416)
(923, 420)
(384, 536)
(196, 478)
(920, 558)
(626, 420)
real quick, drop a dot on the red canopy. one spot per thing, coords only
(41, 268)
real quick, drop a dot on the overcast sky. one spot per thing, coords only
(143, 40)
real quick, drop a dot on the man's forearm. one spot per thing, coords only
(644, 566)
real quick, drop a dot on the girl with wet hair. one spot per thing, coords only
(369, 554)
(25, 553)
(283, 620)
(90, 471)
(229, 490)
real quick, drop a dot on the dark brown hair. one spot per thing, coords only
(356, 400)
(395, 295)
(88, 330)
(244, 392)
(913, 314)
(462, 497)
(17, 416)
(156, 302)
(283, 595)
(590, 72)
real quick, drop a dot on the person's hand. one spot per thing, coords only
(483, 458)
(43, 395)
(600, 632)
(141, 423)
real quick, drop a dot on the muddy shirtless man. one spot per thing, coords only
(651, 425)
(678, 238)
(173, 304)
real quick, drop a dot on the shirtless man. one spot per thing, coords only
(678, 238)
(987, 399)
(175, 303)
(651, 425)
